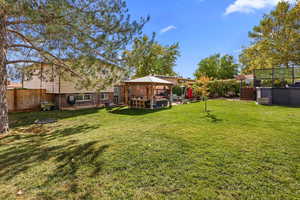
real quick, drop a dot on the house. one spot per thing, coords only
(177, 81)
(69, 94)
(185, 85)
(13, 85)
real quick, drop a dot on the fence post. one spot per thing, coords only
(293, 77)
(15, 100)
(254, 79)
(241, 87)
(272, 77)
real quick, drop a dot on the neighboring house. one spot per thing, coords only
(177, 80)
(67, 93)
(184, 83)
(13, 85)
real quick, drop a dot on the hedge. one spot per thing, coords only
(224, 88)
(216, 88)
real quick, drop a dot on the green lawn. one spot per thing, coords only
(238, 151)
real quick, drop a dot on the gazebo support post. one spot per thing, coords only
(151, 96)
(171, 96)
(126, 95)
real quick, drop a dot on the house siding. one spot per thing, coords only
(62, 100)
(63, 88)
(57, 85)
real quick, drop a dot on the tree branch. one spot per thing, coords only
(41, 51)
(25, 61)
(47, 20)
(24, 38)
(19, 22)
(23, 46)
(38, 62)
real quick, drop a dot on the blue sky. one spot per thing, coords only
(202, 27)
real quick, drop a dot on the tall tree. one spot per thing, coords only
(276, 40)
(217, 67)
(61, 33)
(149, 57)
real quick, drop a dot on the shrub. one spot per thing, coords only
(224, 88)
(177, 90)
(200, 88)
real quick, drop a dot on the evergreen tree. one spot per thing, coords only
(61, 33)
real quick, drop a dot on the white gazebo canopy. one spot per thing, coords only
(150, 84)
(150, 80)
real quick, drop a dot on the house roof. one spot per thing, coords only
(12, 85)
(244, 77)
(150, 79)
(173, 77)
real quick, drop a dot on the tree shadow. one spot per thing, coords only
(46, 132)
(131, 111)
(27, 118)
(212, 117)
(71, 131)
(34, 149)
(70, 161)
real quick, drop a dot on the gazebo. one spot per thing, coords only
(148, 92)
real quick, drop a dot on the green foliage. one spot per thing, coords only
(217, 67)
(177, 90)
(278, 83)
(149, 57)
(224, 88)
(64, 34)
(276, 40)
(277, 73)
(72, 35)
(201, 87)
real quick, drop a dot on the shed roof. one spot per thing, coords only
(12, 85)
(244, 77)
(150, 79)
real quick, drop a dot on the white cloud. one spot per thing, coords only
(248, 6)
(167, 29)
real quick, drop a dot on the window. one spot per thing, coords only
(104, 96)
(116, 91)
(83, 97)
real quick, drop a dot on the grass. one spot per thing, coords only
(238, 150)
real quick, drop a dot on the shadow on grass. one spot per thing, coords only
(74, 158)
(28, 118)
(72, 131)
(212, 117)
(131, 111)
(46, 132)
(31, 150)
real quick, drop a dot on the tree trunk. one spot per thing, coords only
(3, 76)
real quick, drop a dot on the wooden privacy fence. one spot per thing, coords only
(248, 94)
(27, 99)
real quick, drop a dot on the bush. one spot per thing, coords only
(200, 88)
(223, 88)
(177, 90)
